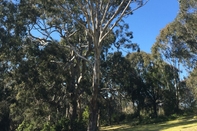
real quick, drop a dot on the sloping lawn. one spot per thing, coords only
(181, 124)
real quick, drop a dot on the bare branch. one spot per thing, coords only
(72, 47)
(116, 22)
(86, 15)
(79, 79)
(92, 16)
(105, 13)
(89, 31)
(114, 16)
(138, 7)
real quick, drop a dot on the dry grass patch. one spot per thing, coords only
(181, 124)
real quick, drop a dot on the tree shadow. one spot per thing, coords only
(181, 124)
(184, 123)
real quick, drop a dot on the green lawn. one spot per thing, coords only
(180, 124)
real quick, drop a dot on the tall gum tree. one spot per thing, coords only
(177, 41)
(178, 38)
(96, 17)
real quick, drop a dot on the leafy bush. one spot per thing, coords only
(47, 127)
(169, 105)
(86, 114)
(4, 116)
(65, 125)
(25, 126)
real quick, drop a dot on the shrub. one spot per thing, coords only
(65, 125)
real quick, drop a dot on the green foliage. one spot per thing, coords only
(86, 114)
(64, 125)
(169, 102)
(26, 126)
(48, 127)
(191, 84)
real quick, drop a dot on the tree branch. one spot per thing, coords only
(104, 15)
(116, 22)
(113, 16)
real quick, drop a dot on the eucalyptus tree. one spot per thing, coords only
(187, 18)
(187, 94)
(166, 53)
(139, 61)
(96, 18)
(12, 32)
(178, 39)
(41, 81)
(113, 89)
(172, 47)
(155, 76)
(191, 84)
(176, 43)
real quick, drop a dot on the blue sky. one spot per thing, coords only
(147, 21)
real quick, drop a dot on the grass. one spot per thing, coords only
(188, 123)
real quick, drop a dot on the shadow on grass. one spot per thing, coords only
(174, 125)
(179, 125)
